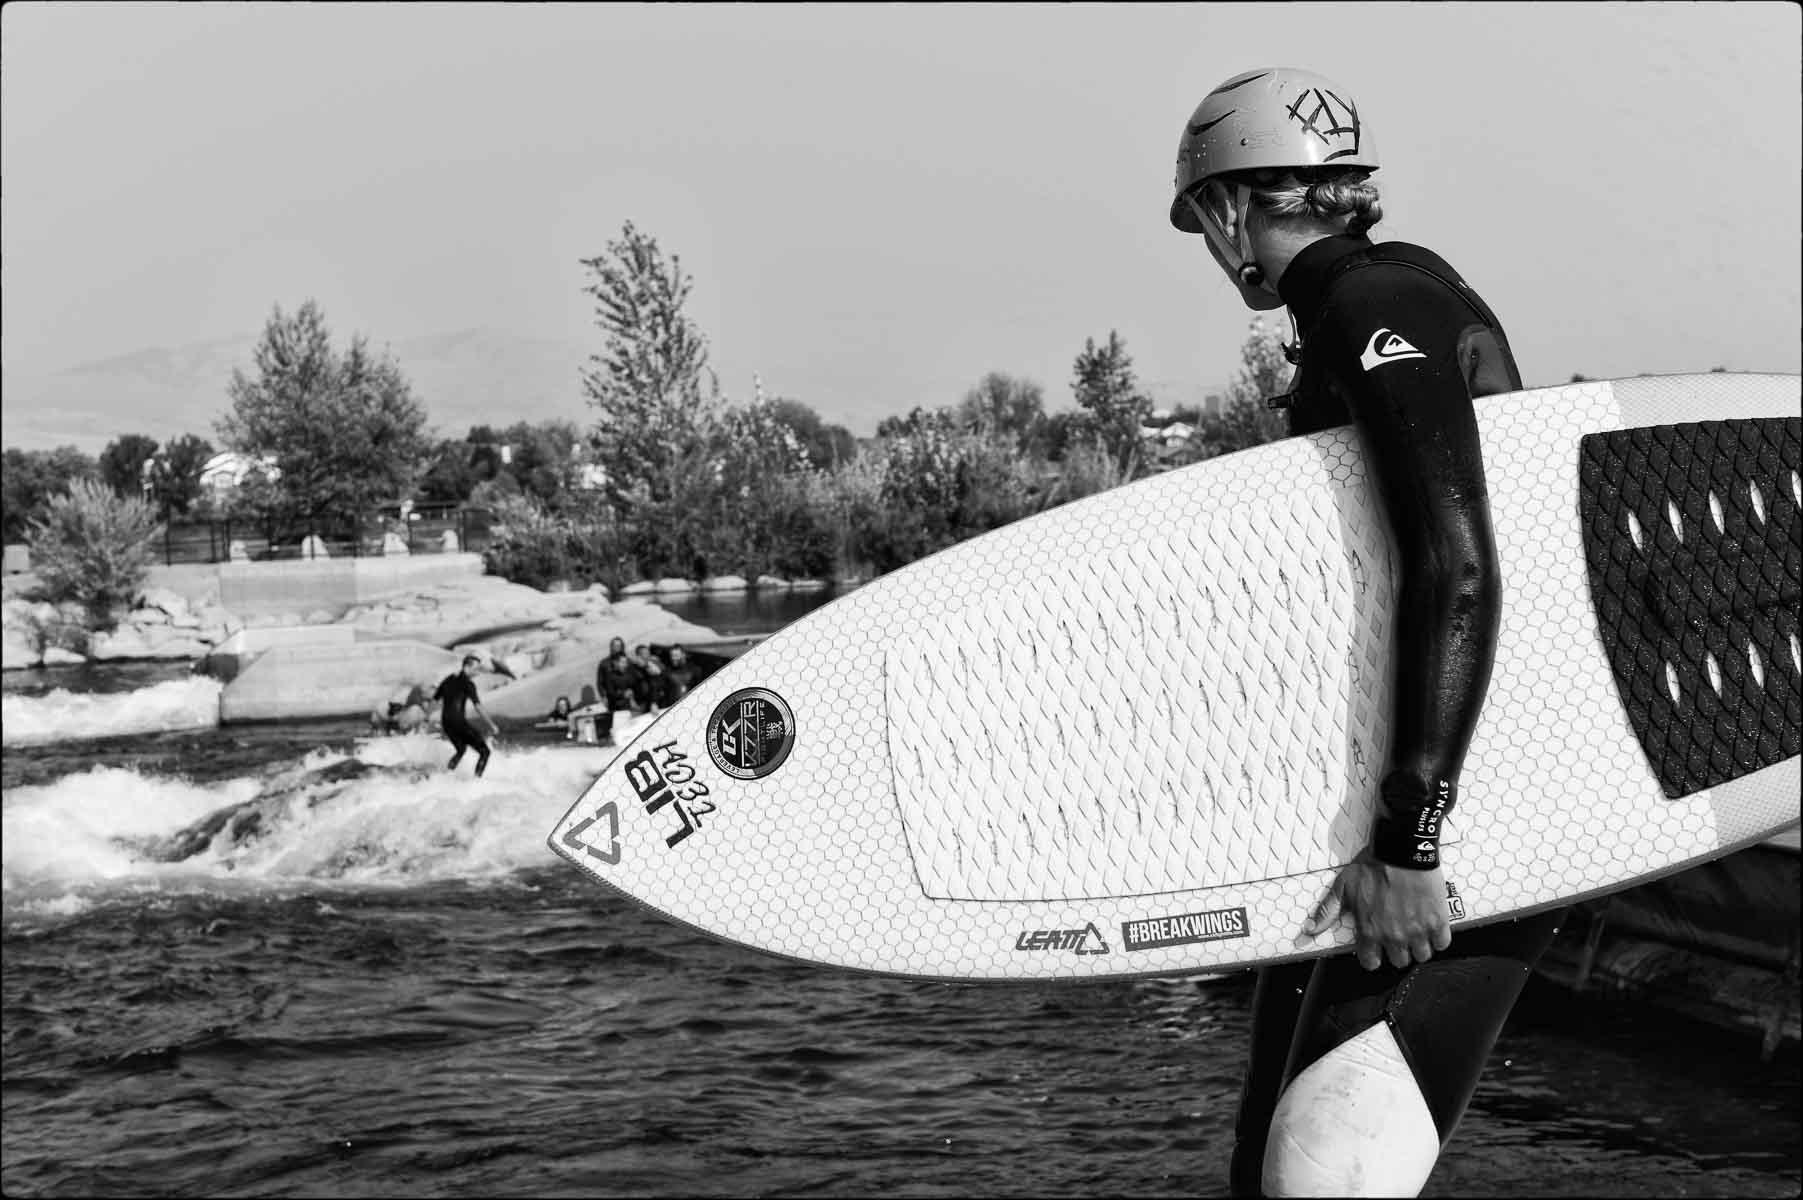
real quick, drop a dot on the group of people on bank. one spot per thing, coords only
(639, 682)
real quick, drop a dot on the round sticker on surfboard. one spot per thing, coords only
(750, 733)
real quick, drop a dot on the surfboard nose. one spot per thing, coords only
(591, 838)
(649, 794)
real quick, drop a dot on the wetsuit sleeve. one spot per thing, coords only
(1393, 334)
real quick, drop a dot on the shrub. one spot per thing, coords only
(92, 547)
(526, 545)
(1088, 467)
(852, 500)
(800, 538)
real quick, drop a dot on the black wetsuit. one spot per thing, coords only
(678, 679)
(616, 679)
(458, 692)
(1395, 342)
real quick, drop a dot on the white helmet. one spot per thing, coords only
(1274, 117)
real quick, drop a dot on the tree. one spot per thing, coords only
(1244, 420)
(826, 445)
(753, 445)
(175, 474)
(92, 546)
(1109, 394)
(1002, 404)
(487, 458)
(544, 458)
(1052, 437)
(913, 422)
(343, 431)
(452, 476)
(651, 388)
(122, 463)
(32, 477)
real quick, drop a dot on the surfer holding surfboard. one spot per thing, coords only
(1361, 1066)
(955, 773)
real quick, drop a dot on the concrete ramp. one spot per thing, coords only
(330, 680)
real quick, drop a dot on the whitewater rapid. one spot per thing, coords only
(57, 716)
(384, 812)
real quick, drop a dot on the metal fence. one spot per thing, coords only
(421, 531)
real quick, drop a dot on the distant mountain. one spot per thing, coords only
(470, 377)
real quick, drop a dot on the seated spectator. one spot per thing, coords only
(559, 717)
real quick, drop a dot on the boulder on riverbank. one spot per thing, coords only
(164, 624)
(521, 675)
(447, 613)
(535, 645)
(330, 681)
(31, 631)
(136, 642)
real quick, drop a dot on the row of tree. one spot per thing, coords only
(671, 477)
(166, 476)
(696, 486)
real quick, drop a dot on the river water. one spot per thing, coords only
(267, 960)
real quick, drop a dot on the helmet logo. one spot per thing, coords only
(1326, 121)
(1205, 126)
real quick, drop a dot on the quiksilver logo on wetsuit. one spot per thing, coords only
(1387, 346)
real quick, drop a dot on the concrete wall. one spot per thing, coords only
(197, 583)
(334, 585)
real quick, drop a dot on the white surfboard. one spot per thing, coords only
(1138, 734)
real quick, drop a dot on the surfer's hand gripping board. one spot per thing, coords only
(1396, 914)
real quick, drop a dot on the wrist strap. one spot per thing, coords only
(1407, 831)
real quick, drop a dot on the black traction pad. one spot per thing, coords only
(1673, 604)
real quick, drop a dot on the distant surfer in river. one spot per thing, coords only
(458, 692)
(1362, 1065)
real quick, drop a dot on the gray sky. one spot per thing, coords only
(878, 203)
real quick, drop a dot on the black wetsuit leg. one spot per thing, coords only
(1276, 1003)
(1445, 1015)
(464, 737)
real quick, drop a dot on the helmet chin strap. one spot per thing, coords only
(1247, 270)
(1237, 254)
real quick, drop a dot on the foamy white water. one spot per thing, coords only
(389, 813)
(66, 716)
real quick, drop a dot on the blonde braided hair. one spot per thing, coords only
(1324, 194)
